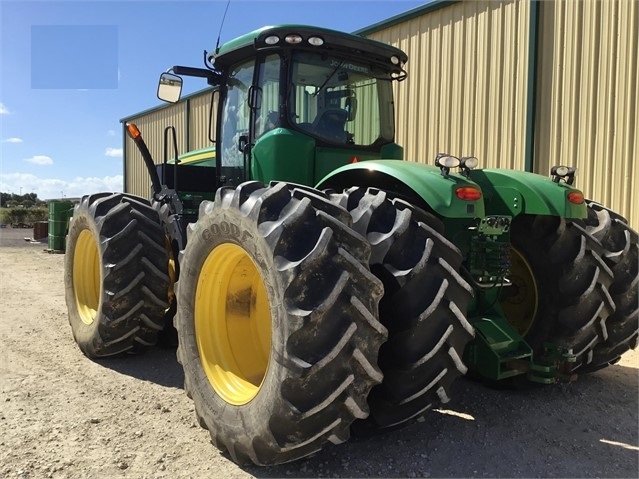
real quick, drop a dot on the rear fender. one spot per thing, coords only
(422, 185)
(512, 192)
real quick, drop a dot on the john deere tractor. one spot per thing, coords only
(317, 282)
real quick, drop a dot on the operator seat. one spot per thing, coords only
(331, 125)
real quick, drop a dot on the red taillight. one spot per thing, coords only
(354, 159)
(576, 197)
(468, 193)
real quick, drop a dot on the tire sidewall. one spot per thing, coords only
(229, 226)
(83, 333)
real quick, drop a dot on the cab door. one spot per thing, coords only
(236, 129)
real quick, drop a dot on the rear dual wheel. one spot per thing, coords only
(116, 274)
(277, 322)
(424, 305)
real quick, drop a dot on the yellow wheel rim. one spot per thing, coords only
(232, 324)
(86, 276)
(519, 301)
(171, 270)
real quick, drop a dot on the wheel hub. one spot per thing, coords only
(519, 301)
(86, 276)
(232, 323)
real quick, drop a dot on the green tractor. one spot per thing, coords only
(318, 283)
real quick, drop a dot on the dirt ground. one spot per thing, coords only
(65, 416)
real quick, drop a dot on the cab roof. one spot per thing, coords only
(333, 42)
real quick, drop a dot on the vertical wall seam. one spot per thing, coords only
(187, 126)
(531, 102)
(124, 168)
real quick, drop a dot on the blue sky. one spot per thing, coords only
(69, 71)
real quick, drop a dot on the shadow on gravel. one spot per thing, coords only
(584, 429)
(158, 365)
(587, 428)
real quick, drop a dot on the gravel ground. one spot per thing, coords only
(65, 416)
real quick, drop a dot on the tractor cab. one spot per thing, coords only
(294, 103)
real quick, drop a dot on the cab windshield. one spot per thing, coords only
(341, 102)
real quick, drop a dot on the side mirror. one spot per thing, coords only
(170, 87)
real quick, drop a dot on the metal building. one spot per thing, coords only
(521, 84)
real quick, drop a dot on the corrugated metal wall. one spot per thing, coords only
(587, 113)
(466, 89)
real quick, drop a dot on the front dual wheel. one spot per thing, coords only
(560, 287)
(277, 322)
(620, 245)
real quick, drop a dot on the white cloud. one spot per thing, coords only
(3, 109)
(113, 152)
(40, 160)
(12, 140)
(49, 188)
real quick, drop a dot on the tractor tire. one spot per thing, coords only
(167, 338)
(424, 305)
(115, 275)
(560, 288)
(621, 254)
(277, 322)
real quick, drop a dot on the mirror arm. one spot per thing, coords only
(212, 77)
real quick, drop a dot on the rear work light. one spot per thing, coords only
(445, 162)
(563, 173)
(468, 193)
(576, 197)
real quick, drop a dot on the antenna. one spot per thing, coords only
(217, 45)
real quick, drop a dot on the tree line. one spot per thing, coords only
(22, 210)
(28, 200)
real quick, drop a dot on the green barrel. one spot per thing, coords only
(59, 214)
